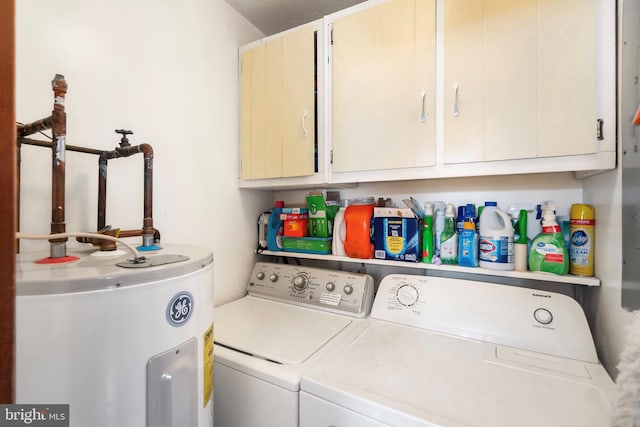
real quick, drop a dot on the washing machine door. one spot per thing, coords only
(275, 331)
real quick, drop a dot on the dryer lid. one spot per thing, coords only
(275, 331)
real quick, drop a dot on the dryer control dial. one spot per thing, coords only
(300, 282)
(260, 275)
(407, 295)
(273, 277)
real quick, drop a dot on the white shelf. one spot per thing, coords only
(528, 275)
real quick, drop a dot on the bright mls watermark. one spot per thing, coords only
(34, 415)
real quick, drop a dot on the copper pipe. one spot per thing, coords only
(37, 126)
(59, 131)
(29, 141)
(126, 151)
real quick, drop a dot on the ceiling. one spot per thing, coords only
(274, 16)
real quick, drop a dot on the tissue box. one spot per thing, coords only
(396, 234)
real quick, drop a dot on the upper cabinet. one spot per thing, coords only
(383, 87)
(520, 79)
(279, 108)
(419, 89)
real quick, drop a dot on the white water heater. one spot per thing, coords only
(124, 347)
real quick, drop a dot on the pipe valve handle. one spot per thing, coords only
(124, 141)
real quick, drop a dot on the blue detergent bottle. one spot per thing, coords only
(275, 229)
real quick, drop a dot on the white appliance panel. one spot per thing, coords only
(316, 412)
(249, 325)
(430, 376)
(271, 406)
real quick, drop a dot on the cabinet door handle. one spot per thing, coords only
(456, 112)
(423, 116)
(305, 133)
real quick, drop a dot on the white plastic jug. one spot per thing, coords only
(339, 233)
(496, 239)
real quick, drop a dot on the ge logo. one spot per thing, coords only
(180, 308)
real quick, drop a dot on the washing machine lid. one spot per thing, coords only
(400, 375)
(275, 331)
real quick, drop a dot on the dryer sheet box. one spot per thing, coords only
(396, 234)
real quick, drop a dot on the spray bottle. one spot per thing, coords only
(449, 238)
(427, 235)
(438, 224)
(520, 245)
(548, 250)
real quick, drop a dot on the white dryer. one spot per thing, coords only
(448, 352)
(264, 341)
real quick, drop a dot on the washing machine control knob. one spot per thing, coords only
(260, 275)
(542, 315)
(300, 282)
(348, 289)
(330, 287)
(407, 295)
(273, 277)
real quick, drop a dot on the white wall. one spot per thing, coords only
(166, 70)
(562, 188)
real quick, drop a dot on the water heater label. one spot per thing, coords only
(208, 365)
(179, 309)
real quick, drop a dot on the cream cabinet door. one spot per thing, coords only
(297, 97)
(464, 81)
(384, 87)
(568, 40)
(519, 79)
(490, 80)
(277, 107)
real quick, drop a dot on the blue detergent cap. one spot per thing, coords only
(149, 248)
(491, 203)
(470, 212)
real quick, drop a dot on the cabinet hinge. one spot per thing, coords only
(331, 41)
(331, 157)
(600, 129)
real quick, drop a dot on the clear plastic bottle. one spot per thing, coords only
(438, 224)
(449, 237)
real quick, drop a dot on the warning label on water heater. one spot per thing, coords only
(208, 365)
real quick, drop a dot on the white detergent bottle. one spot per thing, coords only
(339, 230)
(496, 239)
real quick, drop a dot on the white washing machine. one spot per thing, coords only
(448, 352)
(122, 346)
(264, 341)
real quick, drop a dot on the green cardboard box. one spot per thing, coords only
(309, 245)
(320, 216)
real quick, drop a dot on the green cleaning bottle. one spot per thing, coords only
(428, 247)
(449, 245)
(548, 250)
